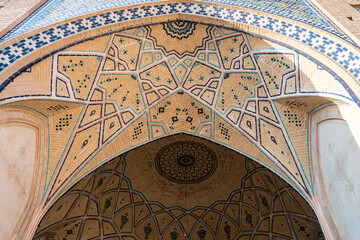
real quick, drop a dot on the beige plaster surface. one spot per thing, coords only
(12, 12)
(339, 156)
(17, 160)
(335, 141)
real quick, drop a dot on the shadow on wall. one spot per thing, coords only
(335, 145)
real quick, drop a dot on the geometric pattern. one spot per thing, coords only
(191, 162)
(105, 205)
(219, 85)
(56, 11)
(344, 56)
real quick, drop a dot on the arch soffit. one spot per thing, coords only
(332, 51)
(305, 49)
(204, 197)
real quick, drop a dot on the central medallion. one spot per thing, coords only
(186, 162)
(179, 29)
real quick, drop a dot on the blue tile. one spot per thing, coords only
(59, 10)
(342, 55)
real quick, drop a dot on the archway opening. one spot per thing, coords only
(180, 187)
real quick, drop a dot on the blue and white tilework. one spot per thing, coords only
(299, 10)
(349, 60)
(60, 10)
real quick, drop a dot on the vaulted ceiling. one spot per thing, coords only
(117, 91)
(112, 81)
(180, 187)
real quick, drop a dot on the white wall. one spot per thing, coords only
(17, 162)
(335, 147)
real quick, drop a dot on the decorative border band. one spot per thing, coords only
(334, 50)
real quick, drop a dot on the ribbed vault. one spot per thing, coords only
(130, 197)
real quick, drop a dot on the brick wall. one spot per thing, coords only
(343, 12)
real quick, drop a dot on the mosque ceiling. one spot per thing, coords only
(139, 82)
(107, 95)
(180, 187)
